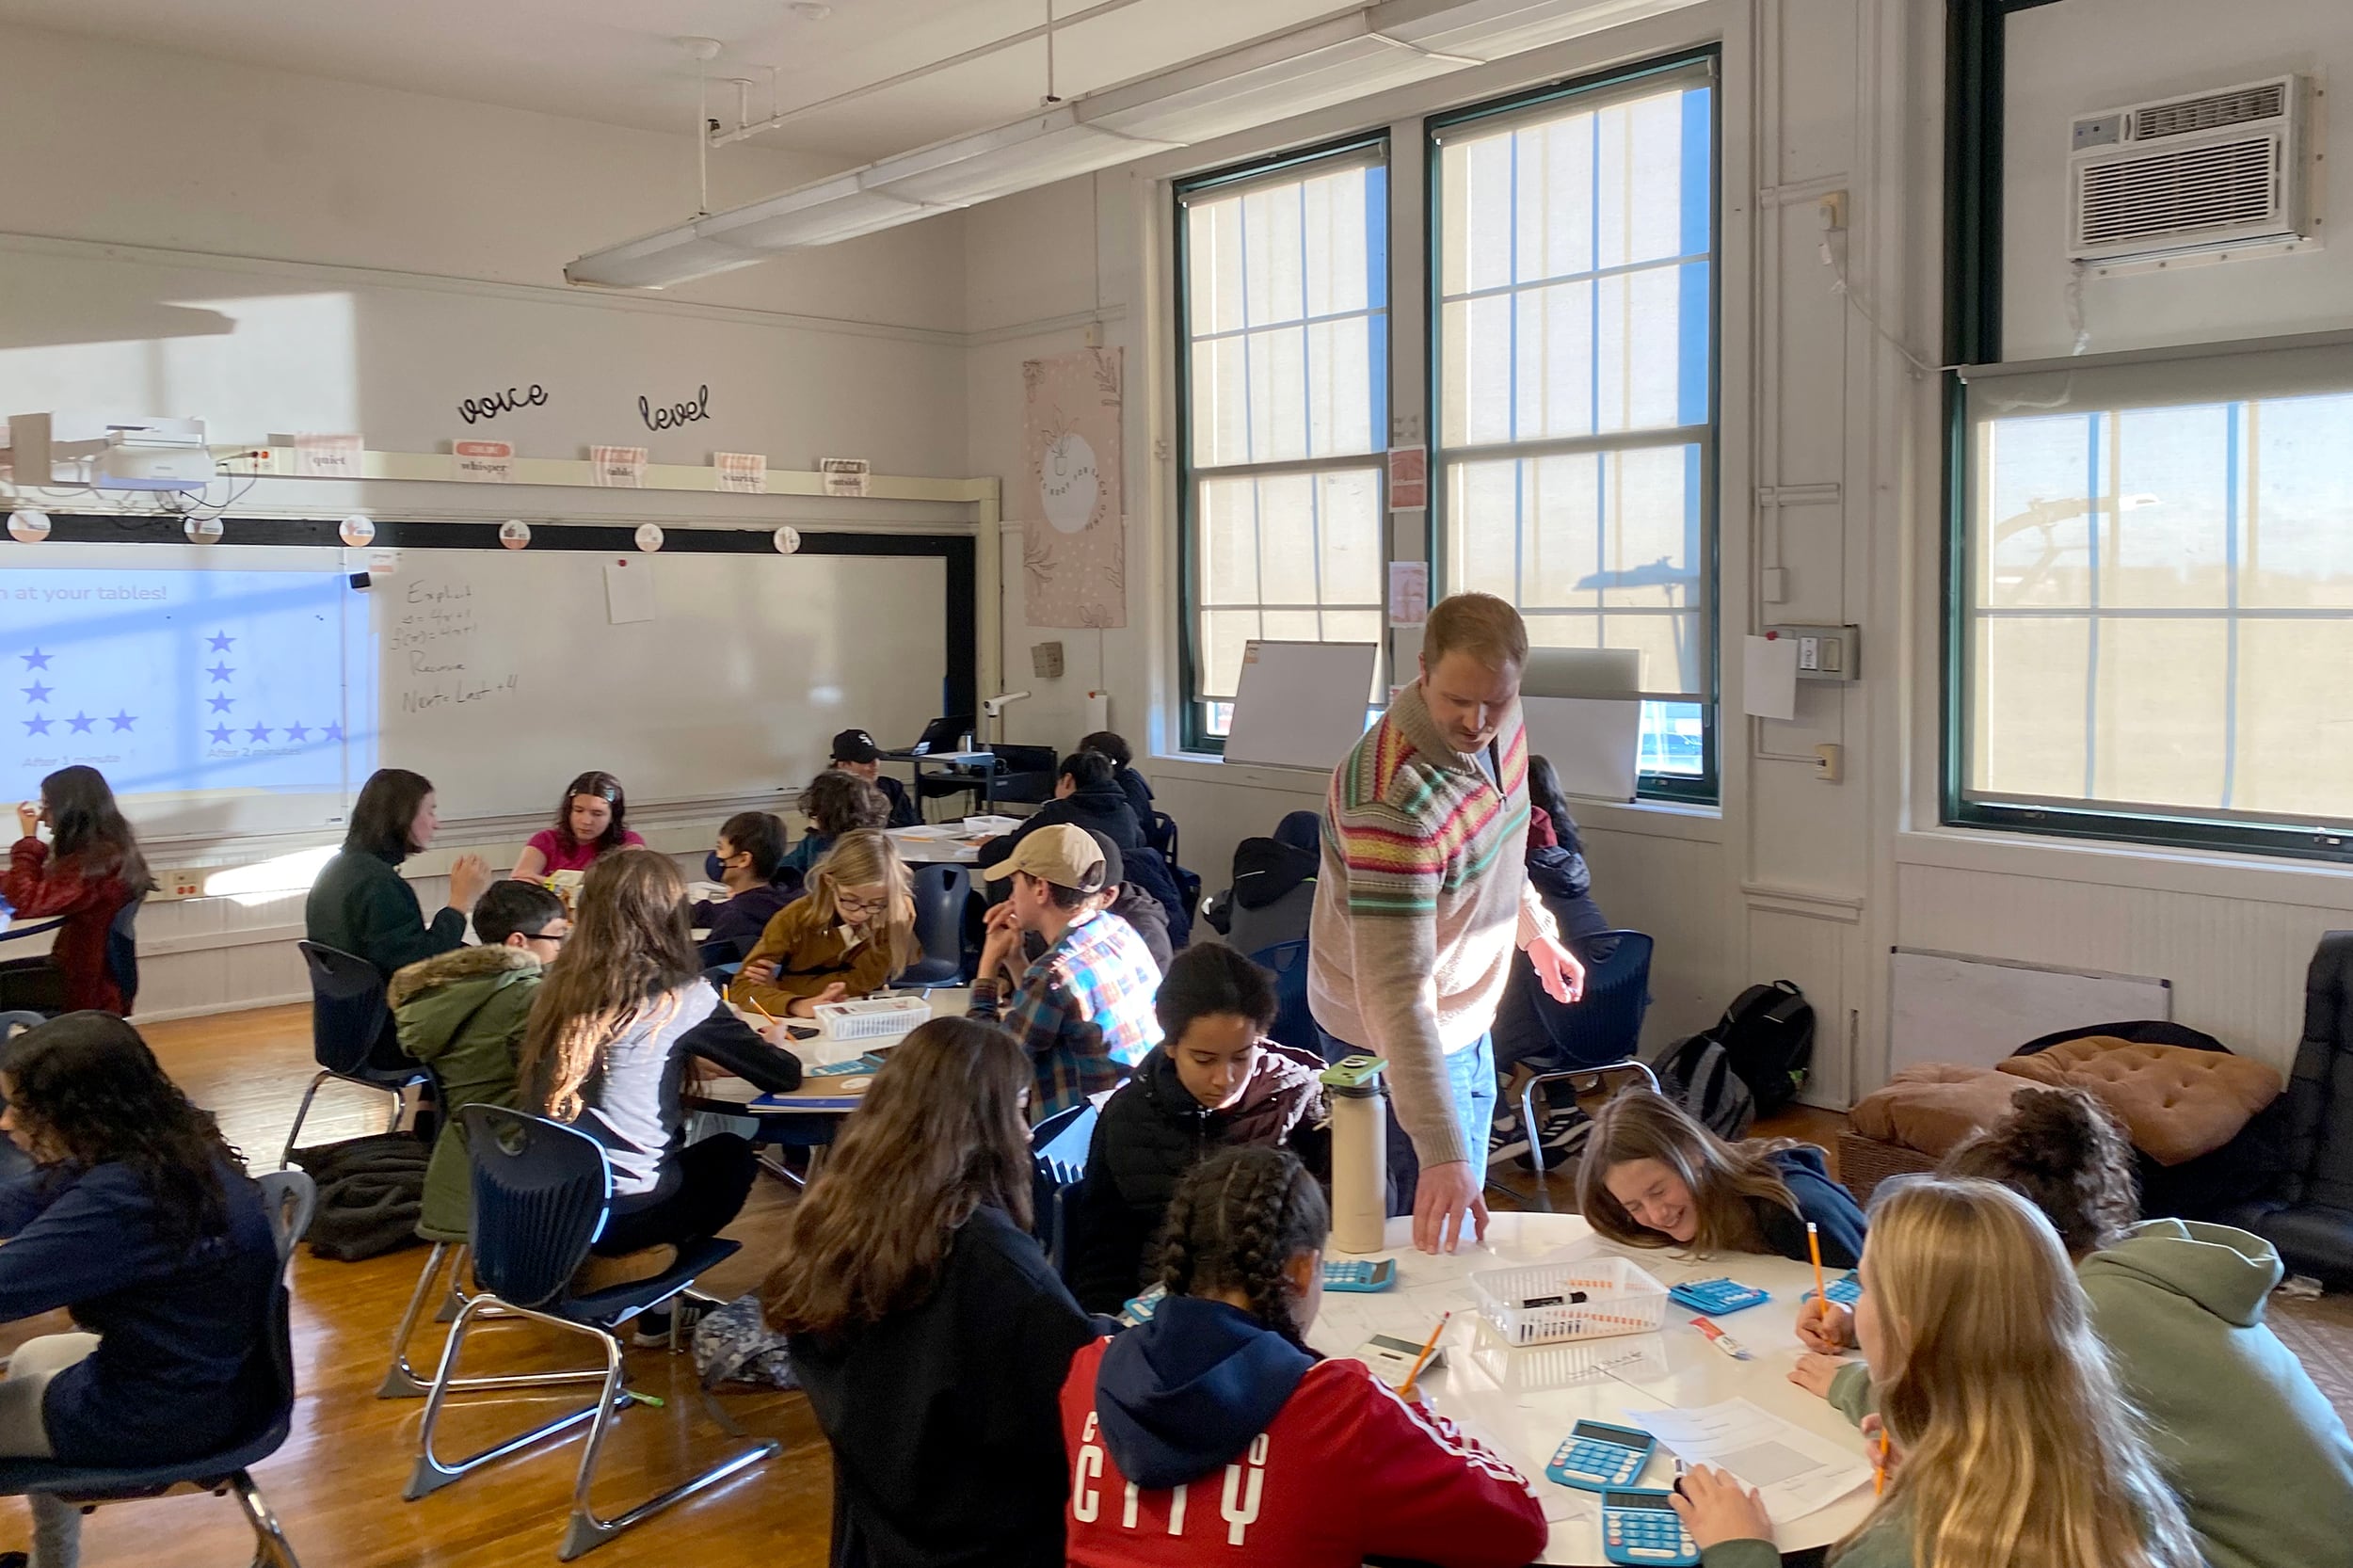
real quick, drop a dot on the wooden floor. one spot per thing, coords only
(336, 1485)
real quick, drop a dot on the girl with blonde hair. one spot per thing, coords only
(611, 1027)
(2010, 1444)
(1651, 1176)
(854, 932)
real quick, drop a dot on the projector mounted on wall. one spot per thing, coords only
(2204, 176)
(108, 451)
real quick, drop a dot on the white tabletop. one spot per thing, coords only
(1524, 1401)
(948, 1001)
(920, 845)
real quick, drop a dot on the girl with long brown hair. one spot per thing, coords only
(928, 1331)
(2012, 1444)
(851, 935)
(591, 821)
(90, 869)
(611, 1027)
(1653, 1177)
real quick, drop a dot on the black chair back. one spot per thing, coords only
(939, 891)
(123, 950)
(1294, 1025)
(540, 1190)
(1606, 1024)
(348, 1010)
(288, 1198)
(1059, 1147)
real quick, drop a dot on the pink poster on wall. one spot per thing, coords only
(1074, 542)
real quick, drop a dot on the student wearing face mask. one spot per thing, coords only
(1215, 1081)
(592, 820)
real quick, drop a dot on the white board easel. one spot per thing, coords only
(1584, 715)
(1949, 1007)
(1300, 705)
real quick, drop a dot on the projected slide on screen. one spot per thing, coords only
(204, 686)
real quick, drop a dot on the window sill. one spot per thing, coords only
(2152, 867)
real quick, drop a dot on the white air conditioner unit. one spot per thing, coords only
(2193, 173)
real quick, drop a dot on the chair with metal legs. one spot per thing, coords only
(401, 1381)
(347, 1016)
(1598, 1035)
(540, 1194)
(288, 1196)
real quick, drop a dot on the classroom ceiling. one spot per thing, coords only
(620, 62)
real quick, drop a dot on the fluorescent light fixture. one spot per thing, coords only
(1492, 29)
(1020, 156)
(1294, 72)
(1334, 61)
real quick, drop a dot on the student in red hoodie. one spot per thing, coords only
(1212, 1434)
(90, 869)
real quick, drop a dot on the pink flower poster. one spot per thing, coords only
(1074, 545)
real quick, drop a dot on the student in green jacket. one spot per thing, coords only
(462, 1015)
(2010, 1443)
(2262, 1461)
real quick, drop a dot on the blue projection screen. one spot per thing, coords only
(215, 701)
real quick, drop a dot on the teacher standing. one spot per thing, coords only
(1423, 898)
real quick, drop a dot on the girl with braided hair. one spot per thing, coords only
(1212, 1433)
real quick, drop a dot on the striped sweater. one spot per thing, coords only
(1423, 901)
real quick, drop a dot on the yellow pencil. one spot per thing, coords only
(1879, 1471)
(1428, 1349)
(772, 1019)
(1813, 1245)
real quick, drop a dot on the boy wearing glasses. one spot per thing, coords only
(462, 1014)
(1216, 1081)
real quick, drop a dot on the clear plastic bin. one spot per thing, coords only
(1590, 1298)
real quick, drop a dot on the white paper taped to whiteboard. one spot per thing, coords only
(1949, 1007)
(1300, 705)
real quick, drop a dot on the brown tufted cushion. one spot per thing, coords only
(2176, 1103)
(1934, 1106)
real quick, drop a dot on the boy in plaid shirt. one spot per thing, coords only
(1083, 1012)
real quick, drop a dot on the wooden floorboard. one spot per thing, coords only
(336, 1485)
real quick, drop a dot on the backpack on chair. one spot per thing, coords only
(1696, 1074)
(1768, 1036)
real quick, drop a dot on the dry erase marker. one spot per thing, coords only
(1719, 1338)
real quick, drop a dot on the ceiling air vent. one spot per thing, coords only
(2192, 173)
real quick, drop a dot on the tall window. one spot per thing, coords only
(1284, 321)
(1576, 355)
(2157, 602)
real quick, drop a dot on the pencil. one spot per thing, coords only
(772, 1019)
(1879, 1471)
(1428, 1349)
(1813, 1245)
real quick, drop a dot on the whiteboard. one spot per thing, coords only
(1300, 705)
(1946, 1007)
(237, 691)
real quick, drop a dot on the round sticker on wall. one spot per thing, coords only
(28, 526)
(649, 537)
(358, 530)
(203, 530)
(514, 533)
(788, 541)
(1069, 483)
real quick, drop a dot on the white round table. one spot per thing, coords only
(921, 846)
(1524, 1401)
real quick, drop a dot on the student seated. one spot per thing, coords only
(1273, 891)
(835, 803)
(928, 1331)
(2009, 1440)
(855, 754)
(1084, 1011)
(851, 935)
(1084, 796)
(2261, 1460)
(1215, 1082)
(140, 1220)
(1114, 749)
(1652, 1177)
(1556, 857)
(617, 1017)
(463, 1015)
(592, 820)
(90, 869)
(748, 854)
(1217, 1396)
(362, 906)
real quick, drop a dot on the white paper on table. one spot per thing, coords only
(1769, 687)
(1795, 1470)
(716, 891)
(1563, 1503)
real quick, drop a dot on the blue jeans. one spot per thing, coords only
(1470, 1078)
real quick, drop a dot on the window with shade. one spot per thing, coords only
(1573, 467)
(2153, 635)
(1284, 319)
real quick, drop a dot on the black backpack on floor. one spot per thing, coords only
(1767, 1035)
(1695, 1073)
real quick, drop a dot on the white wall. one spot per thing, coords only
(2088, 54)
(1830, 443)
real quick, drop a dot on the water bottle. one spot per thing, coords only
(1360, 1155)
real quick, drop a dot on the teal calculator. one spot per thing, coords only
(1717, 1297)
(1139, 1309)
(1596, 1457)
(1845, 1290)
(1360, 1274)
(1639, 1527)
